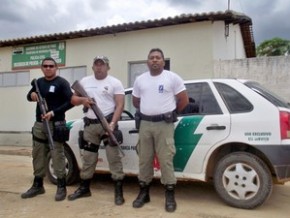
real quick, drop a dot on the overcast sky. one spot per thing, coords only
(26, 18)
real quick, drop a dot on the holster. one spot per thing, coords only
(83, 144)
(118, 135)
(60, 131)
(81, 140)
(170, 117)
(137, 119)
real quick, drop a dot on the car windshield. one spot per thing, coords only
(267, 94)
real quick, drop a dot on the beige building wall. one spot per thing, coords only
(191, 49)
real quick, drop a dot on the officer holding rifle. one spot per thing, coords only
(107, 92)
(53, 94)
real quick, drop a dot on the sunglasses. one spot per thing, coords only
(48, 66)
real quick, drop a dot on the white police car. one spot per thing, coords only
(238, 137)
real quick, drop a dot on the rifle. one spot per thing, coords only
(43, 108)
(79, 89)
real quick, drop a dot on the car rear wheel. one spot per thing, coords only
(72, 171)
(243, 180)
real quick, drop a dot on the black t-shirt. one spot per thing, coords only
(57, 94)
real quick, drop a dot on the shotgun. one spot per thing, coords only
(80, 90)
(43, 108)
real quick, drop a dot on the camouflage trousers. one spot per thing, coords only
(93, 134)
(40, 151)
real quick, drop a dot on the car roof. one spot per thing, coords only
(215, 80)
(205, 80)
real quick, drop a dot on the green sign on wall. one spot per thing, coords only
(30, 56)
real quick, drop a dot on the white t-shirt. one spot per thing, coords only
(157, 93)
(102, 91)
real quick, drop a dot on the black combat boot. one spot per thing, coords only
(143, 196)
(170, 203)
(119, 199)
(36, 189)
(61, 190)
(82, 191)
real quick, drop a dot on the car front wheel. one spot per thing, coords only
(243, 180)
(71, 169)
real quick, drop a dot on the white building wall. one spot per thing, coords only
(182, 44)
(230, 46)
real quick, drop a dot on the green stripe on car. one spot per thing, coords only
(185, 140)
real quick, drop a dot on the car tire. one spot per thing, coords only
(72, 171)
(243, 180)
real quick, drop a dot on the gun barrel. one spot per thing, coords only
(43, 108)
(49, 135)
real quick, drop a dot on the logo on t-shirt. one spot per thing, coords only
(106, 90)
(161, 88)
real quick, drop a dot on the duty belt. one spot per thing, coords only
(153, 118)
(89, 121)
(58, 123)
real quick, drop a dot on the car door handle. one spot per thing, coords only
(133, 131)
(215, 127)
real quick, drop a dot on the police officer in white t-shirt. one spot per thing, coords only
(158, 94)
(108, 93)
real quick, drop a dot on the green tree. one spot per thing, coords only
(274, 47)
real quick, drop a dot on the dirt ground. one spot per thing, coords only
(194, 199)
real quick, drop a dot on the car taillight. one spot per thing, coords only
(285, 125)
